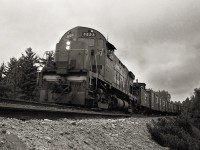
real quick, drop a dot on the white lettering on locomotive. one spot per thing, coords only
(88, 34)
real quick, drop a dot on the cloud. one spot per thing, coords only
(164, 52)
(158, 40)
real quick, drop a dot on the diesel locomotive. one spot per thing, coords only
(86, 72)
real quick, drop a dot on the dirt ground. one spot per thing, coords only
(85, 134)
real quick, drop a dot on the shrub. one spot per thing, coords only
(175, 133)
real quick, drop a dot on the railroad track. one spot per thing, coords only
(28, 110)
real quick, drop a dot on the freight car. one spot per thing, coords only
(149, 101)
(86, 72)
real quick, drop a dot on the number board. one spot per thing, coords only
(88, 34)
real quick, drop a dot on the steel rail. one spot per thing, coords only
(27, 110)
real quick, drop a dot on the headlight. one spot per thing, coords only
(68, 43)
(67, 47)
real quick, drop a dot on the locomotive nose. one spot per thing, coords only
(71, 55)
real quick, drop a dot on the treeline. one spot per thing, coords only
(164, 95)
(192, 107)
(18, 78)
(192, 104)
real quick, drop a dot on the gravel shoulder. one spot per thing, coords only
(84, 134)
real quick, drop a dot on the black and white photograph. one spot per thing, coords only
(99, 75)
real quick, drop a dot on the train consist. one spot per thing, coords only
(86, 72)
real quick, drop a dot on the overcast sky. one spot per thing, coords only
(158, 40)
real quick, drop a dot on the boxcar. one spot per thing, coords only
(144, 98)
(167, 106)
(172, 106)
(156, 104)
(163, 105)
(159, 104)
(151, 99)
(141, 94)
(176, 108)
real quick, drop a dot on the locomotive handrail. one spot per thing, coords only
(78, 49)
(73, 50)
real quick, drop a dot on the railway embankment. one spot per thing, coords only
(87, 134)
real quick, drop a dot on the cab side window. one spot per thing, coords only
(110, 50)
(100, 43)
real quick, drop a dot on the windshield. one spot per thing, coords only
(88, 41)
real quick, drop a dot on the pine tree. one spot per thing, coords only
(47, 62)
(28, 69)
(4, 90)
(12, 76)
(187, 103)
(196, 102)
(2, 71)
